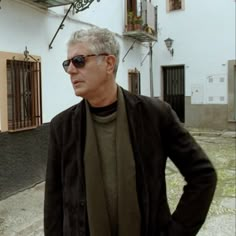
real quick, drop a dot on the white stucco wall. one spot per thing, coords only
(203, 33)
(22, 25)
(204, 40)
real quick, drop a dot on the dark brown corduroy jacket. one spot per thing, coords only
(156, 134)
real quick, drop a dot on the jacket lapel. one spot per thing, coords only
(136, 129)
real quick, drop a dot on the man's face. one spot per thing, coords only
(90, 79)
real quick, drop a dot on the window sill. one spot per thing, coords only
(22, 129)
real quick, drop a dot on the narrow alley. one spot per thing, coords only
(22, 214)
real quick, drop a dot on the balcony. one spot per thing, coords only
(45, 4)
(142, 28)
(140, 35)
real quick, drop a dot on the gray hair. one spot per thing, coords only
(100, 40)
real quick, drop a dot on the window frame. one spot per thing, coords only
(4, 113)
(170, 8)
(134, 78)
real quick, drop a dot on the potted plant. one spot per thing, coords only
(138, 23)
(130, 21)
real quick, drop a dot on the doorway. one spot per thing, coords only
(174, 87)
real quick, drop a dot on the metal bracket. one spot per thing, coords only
(130, 48)
(81, 5)
(78, 5)
(146, 55)
(145, 58)
(61, 25)
(27, 55)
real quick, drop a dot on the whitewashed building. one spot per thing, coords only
(199, 79)
(33, 84)
(196, 75)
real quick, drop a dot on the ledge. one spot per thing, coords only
(140, 36)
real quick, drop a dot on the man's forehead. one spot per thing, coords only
(78, 49)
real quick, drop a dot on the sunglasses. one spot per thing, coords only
(79, 61)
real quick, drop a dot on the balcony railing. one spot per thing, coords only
(144, 27)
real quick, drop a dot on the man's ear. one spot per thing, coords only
(111, 61)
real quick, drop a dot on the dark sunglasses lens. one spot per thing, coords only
(78, 61)
(65, 64)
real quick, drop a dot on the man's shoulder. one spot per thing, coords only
(143, 100)
(67, 114)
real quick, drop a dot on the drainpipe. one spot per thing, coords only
(151, 70)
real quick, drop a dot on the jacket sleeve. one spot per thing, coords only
(198, 172)
(53, 213)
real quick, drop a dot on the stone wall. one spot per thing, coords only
(23, 157)
(207, 116)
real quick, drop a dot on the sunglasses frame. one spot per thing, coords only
(79, 61)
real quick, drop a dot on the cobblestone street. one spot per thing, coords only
(21, 214)
(221, 218)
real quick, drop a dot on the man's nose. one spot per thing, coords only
(71, 68)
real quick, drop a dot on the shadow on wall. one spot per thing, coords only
(23, 157)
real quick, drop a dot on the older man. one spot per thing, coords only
(107, 155)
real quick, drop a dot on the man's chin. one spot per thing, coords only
(79, 93)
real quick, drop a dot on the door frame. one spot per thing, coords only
(179, 93)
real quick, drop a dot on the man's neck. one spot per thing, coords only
(109, 98)
(104, 111)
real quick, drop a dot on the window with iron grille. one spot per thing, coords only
(134, 81)
(24, 94)
(175, 5)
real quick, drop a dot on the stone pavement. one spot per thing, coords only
(221, 149)
(22, 214)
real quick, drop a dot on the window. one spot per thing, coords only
(173, 5)
(141, 20)
(134, 6)
(134, 12)
(134, 81)
(23, 94)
